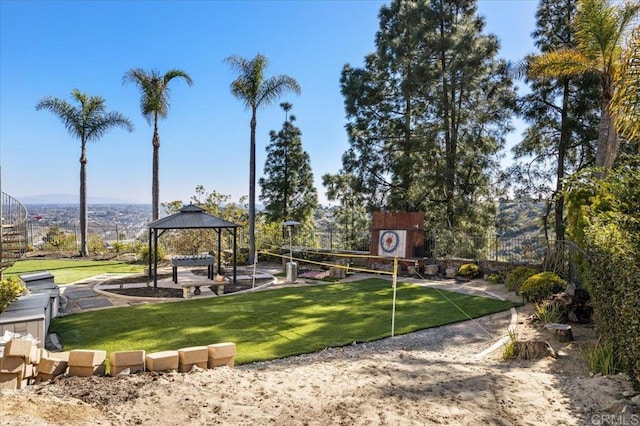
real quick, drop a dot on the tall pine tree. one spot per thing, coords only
(287, 188)
(428, 113)
(563, 119)
(350, 217)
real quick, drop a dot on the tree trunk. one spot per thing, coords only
(252, 190)
(406, 168)
(83, 200)
(155, 182)
(608, 142)
(562, 151)
(285, 212)
(450, 149)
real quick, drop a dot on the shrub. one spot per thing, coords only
(134, 247)
(469, 270)
(518, 276)
(242, 257)
(541, 286)
(602, 359)
(495, 278)
(144, 253)
(117, 247)
(95, 244)
(10, 289)
(510, 346)
(549, 312)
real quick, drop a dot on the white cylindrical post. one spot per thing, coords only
(395, 284)
(255, 261)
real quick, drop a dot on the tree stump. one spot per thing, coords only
(562, 332)
(535, 350)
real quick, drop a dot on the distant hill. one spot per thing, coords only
(72, 199)
(520, 218)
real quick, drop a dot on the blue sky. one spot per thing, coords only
(48, 48)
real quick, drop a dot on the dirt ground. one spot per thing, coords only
(435, 376)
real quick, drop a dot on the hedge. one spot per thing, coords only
(614, 284)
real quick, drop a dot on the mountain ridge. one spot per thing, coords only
(73, 199)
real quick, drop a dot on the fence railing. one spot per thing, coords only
(487, 247)
(40, 235)
(559, 256)
(45, 236)
(13, 218)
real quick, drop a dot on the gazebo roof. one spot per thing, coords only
(191, 217)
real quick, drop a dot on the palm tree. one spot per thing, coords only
(88, 122)
(154, 104)
(255, 91)
(600, 29)
(626, 99)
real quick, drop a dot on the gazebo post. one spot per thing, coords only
(235, 250)
(155, 259)
(219, 232)
(149, 252)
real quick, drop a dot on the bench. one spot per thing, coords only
(186, 289)
(199, 260)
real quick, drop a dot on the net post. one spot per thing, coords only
(255, 262)
(395, 282)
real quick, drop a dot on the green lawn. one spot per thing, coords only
(272, 324)
(67, 271)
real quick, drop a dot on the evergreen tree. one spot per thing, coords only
(350, 218)
(287, 188)
(428, 113)
(563, 119)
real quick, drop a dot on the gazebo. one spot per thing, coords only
(189, 217)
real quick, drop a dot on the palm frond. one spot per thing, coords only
(175, 73)
(88, 121)
(601, 27)
(274, 87)
(561, 63)
(249, 85)
(625, 104)
(67, 113)
(101, 124)
(154, 90)
(595, 28)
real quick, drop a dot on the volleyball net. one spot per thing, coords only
(393, 273)
(388, 267)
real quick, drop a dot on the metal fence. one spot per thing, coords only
(40, 235)
(13, 233)
(45, 236)
(331, 240)
(487, 247)
(559, 256)
(478, 247)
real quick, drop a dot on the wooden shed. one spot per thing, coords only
(398, 235)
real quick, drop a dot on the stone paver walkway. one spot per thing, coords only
(89, 294)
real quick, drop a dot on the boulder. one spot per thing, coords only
(451, 272)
